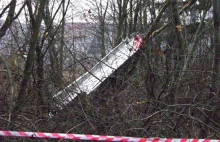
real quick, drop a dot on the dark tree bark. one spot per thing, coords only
(62, 43)
(216, 45)
(122, 16)
(179, 42)
(35, 30)
(10, 18)
(40, 86)
(214, 91)
(53, 53)
(102, 11)
(136, 15)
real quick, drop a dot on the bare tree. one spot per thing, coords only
(216, 46)
(36, 19)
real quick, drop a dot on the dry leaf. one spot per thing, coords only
(180, 28)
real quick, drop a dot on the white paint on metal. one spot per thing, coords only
(102, 70)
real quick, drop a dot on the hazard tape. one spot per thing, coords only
(95, 137)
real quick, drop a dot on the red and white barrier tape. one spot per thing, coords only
(95, 137)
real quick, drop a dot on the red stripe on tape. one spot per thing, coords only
(168, 140)
(183, 140)
(7, 133)
(195, 140)
(23, 134)
(143, 140)
(156, 140)
(41, 135)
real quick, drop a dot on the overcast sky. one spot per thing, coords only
(75, 10)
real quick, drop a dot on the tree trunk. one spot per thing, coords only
(179, 42)
(36, 23)
(122, 16)
(137, 9)
(130, 18)
(216, 45)
(10, 18)
(53, 53)
(40, 81)
(62, 45)
(214, 91)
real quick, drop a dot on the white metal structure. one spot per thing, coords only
(102, 70)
